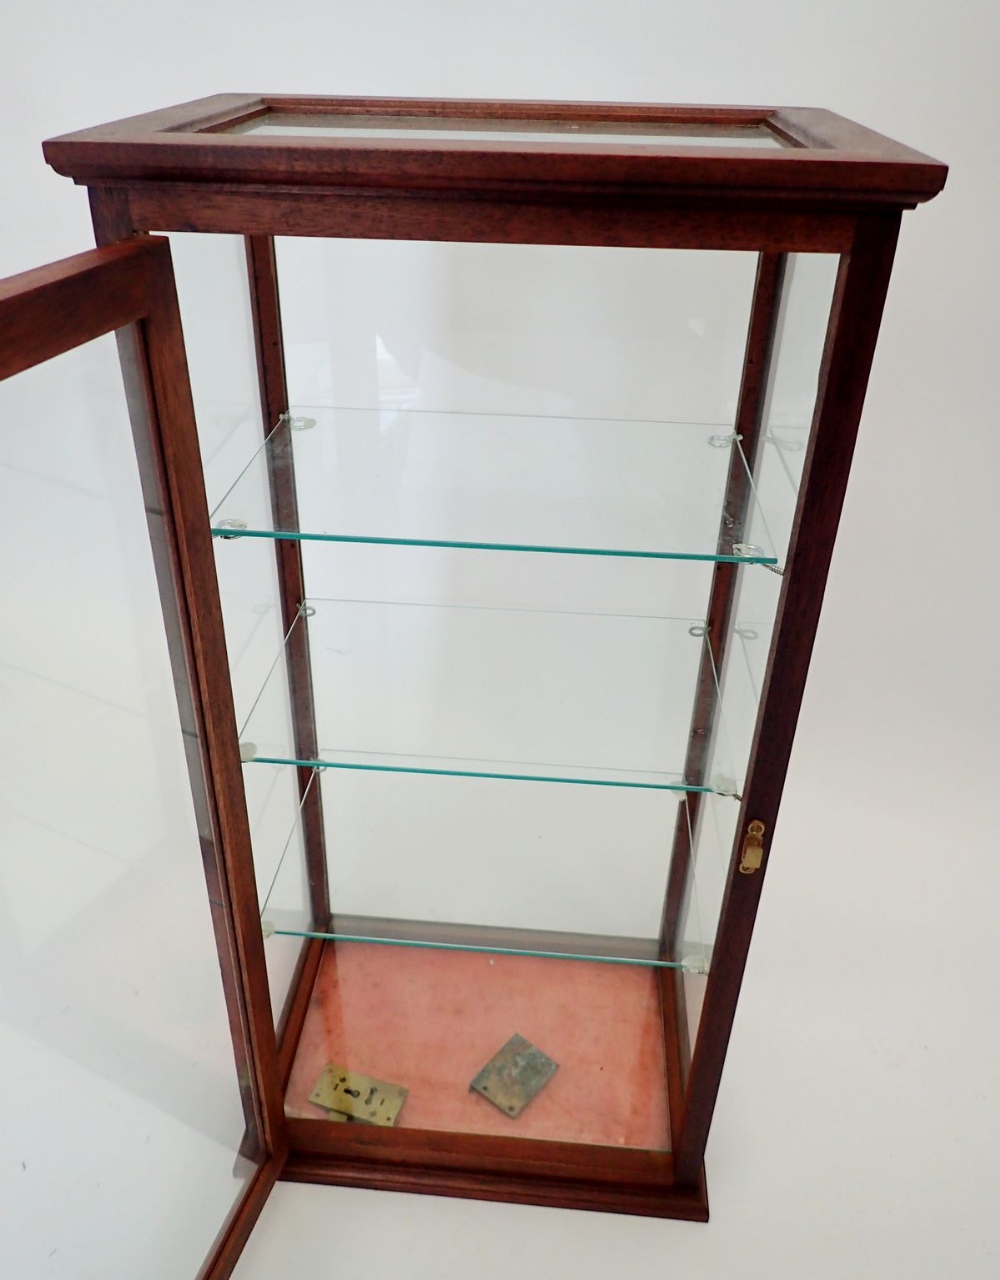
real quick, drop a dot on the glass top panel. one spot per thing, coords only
(573, 485)
(526, 694)
(460, 129)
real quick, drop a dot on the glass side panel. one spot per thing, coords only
(537, 695)
(803, 318)
(711, 823)
(279, 848)
(251, 612)
(456, 129)
(710, 820)
(524, 484)
(789, 407)
(214, 299)
(273, 806)
(121, 1111)
(742, 679)
(213, 292)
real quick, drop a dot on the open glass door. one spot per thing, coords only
(139, 1150)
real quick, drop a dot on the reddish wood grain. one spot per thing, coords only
(676, 1044)
(687, 1203)
(183, 495)
(833, 160)
(617, 220)
(155, 369)
(53, 308)
(427, 1149)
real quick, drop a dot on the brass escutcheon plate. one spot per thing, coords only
(514, 1076)
(361, 1098)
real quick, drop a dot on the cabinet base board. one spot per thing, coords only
(687, 1203)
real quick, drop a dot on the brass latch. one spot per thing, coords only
(753, 849)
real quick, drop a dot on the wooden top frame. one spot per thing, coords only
(822, 161)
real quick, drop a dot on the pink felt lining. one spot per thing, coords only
(430, 1020)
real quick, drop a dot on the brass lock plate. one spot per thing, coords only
(514, 1076)
(351, 1095)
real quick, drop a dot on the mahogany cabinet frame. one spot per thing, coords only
(128, 288)
(831, 186)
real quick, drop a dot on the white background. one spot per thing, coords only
(857, 1129)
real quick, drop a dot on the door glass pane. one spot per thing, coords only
(121, 1109)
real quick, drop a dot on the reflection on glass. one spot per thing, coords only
(455, 129)
(121, 1101)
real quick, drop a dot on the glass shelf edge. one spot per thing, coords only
(229, 535)
(472, 773)
(325, 936)
(392, 410)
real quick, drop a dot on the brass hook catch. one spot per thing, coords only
(753, 849)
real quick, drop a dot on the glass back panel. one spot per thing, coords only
(513, 470)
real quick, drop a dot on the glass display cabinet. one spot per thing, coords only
(492, 543)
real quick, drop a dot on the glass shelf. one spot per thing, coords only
(529, 695)
(574, 486)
